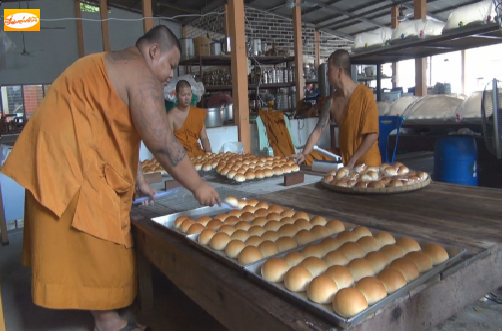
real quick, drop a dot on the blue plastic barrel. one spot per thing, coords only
(455, 160)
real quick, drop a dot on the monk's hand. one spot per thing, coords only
(144, 189)
(351, 163)
(299, 157)
(206, 195)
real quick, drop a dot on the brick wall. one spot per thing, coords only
(32, 98)
(270, 29)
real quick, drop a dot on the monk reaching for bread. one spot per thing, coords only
(77, 158)
(355, 111)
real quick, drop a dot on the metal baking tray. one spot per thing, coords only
(326, 311)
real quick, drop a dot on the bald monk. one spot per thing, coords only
(78, 159)
(355, 111)
(187, 122)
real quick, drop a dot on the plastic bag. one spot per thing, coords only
(433, 107)
(476, 12)
(170, 89)
(470, 108)
(375, 37)
(418, 28)
(398, 106)
(233, 147)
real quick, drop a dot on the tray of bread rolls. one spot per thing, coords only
(152, 166)
(349, 276)
(385, 179)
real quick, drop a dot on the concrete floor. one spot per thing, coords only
(173, 310)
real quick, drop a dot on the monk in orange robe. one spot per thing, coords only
(78, 160)
(355, 111)
(187, 122)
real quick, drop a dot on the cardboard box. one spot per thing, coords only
(202, 46)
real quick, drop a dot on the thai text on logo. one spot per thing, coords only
(21, 19)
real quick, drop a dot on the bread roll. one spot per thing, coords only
(321, 290)
(268, 248)
(436, 253)
(361, 231)
(268, 173)
(408, 268)
(288, 230)
(247, 216)
(272, 226)
(360, 268)
(286, 243)
(270, 235)
(232, 201)
(392, 279)
(301, 214)
(330, 244)
(422, 176)
(239, 178)
(250, 209)
(361, 184)
(314, 264)
(392, 251)
(196, 228)
(214, 224)
(294, 258)
(206, 235)
(303, 237)
(340, 182)
(274, 269)
(377, 184)
(288, 213)
(249, 254)
(254, 241)
(204, 220)
(240, 235)
(313, 250)
(421, 260)
(297, 279)
(256, 230)
(395, 183)
(231, 174)
(274, 217)
(179, 221)
(390, 171)
(243, 225)
(328, 178)
(341, 173)
(378, 260)
(352, 250)
(398, 164)
(262, 212)
(303, 224)
(232, 220)
(262, 204)
(186, 225)
(369, 244)
(320, 231)
(318, 220)
(408, 244)
(219, 241)
(347, 236)
(276, 209)
(287, 220)
(335, 258)
(335, 226)
(403, 170)
(342, 276)
(233, 248)
(385, 238)
(349, 302)
(359, 168)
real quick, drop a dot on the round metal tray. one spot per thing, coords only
(384, 190)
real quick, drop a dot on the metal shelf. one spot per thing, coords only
(225, 60)
(212, 88)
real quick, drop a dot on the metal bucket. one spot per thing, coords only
(215, 49)
(187, 45)
(215, 117)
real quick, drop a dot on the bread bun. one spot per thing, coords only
(204, 220)
(277, 171)
(231, 174)
(272, 226)
(314, 264)
(318, 220)
(328, 178)
(347, 236)
(301, 214)
(319, 231)
(275, 209)
(360, 268)
(349, 302)
(286, 243)
(372, 288)
(179, 221)
(361, 184)
(262, 204)
(272, 216)
(436, 253)
(422, 176)
(268, 248)
(395, 183)
(232, 220)
(352, 250)
(390, 171)
(247, 216)
(262, 212)
(196, 228)
(402, 170)
(214, 224)
(270, 235)
(377, 184)
(274, 269)
(256, 230)
(342, 276)
(341, 173)
(294, 258)
(205, 236)
(249, 175)
(378, 260)
(186, 225)
(268, 173)
(385, 238)
(219, 241)
(392, 280)
(369, 244)
(232, 201)
(303, 224)
(249, 254)
(243, 225)
(240, 235)
(315, 250)
(392, 251)
(233, 248)
(297, 279)
(288, 230)
(421, 260)
(239, 178)
(226, 228)
(254, 240)
(287, 220)
(408, 245)
(334, 226)
(249, 208)
(303, 237)
(330, 244)
(408, 268)
(288, 213)
(362, 231)
(321, 290)
(335, 258)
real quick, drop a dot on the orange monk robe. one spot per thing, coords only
(190, 132)
(360, 117)
(77, 158)
(279, 136)
(2, 318)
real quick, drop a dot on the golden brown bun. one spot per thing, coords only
(349, 302)
(313, 250)
(249, 208)
(408, 244)
(347, 236)
(273, 216)
(232, 201)
(219, 241)
(320, 231)
(253, 202)
(262, 212)
(436, 253)
(287, 213)
(268, 173)
(262, 204)
(303, 224)
(232, 220)
(235, 212)
(288, 230)
(274, 269)
(247, 216)
(318, 220)
(276, 209)
(294, 258)
(335, 226)
(398, 164)
(390, 171)
(249, 254)
(233, 248)
(361, 184)
(239, 178)
(254, 241)
(408, 268)
(314, 264)
(186, 225)
(378, 260)
(229, 229)
(180, 220)
(392, 251)
(421, 260)
(214, 224)
(361, 231)
(297, 279)
(340, 182)
(402, 170)
(204, 220)
(352, 250)
(259, 174)
(286, 243)
(377, 184)
(369, 244)
(303, 237)
(385, 238)
(268, 248)
(372, 288)
(287, 220)
(272, 226)
(270, 235)
(335, 258)
(256, 230)
(206, 235)
(328, 178)
(301, 214)
(322, 289)
(360, 268)
(392, 279)
(395, 183)
(242, 235)
(243, 225)
(222, 217)
(249, 174)
(341, 173)
(330, 244)
(342, 276)
(196, 228)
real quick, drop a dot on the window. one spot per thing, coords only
(446, 68)
(21, 100)
(480, 72)
(12, 100)
(32, 95)
(406, 76)
(88, 8)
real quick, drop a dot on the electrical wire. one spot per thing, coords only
(128, 19)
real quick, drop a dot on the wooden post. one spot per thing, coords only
(421, 88)
(80, 28)
(239, 65)
(463, 72)
(297, 39)
(148, 23)
(105, 37)
(227, 23)
(316, 48)
(394, 65)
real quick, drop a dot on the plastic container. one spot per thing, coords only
(455, 160)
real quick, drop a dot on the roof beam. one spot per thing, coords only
(214, 5)
(428, 14)
(350, 15)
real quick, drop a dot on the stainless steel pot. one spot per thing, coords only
(187, 45)
(228, 113)
(215, 117)
(215, 48)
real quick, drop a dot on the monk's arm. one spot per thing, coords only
(322, 124)
(367, 143)
(148, 112)
(204, 139)
(370, 128)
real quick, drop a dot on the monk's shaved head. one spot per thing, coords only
(340, 58)
(160, 35)
(182, 84)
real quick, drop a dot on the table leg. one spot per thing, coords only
(145, 283)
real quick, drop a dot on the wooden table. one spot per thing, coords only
(464, 216)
